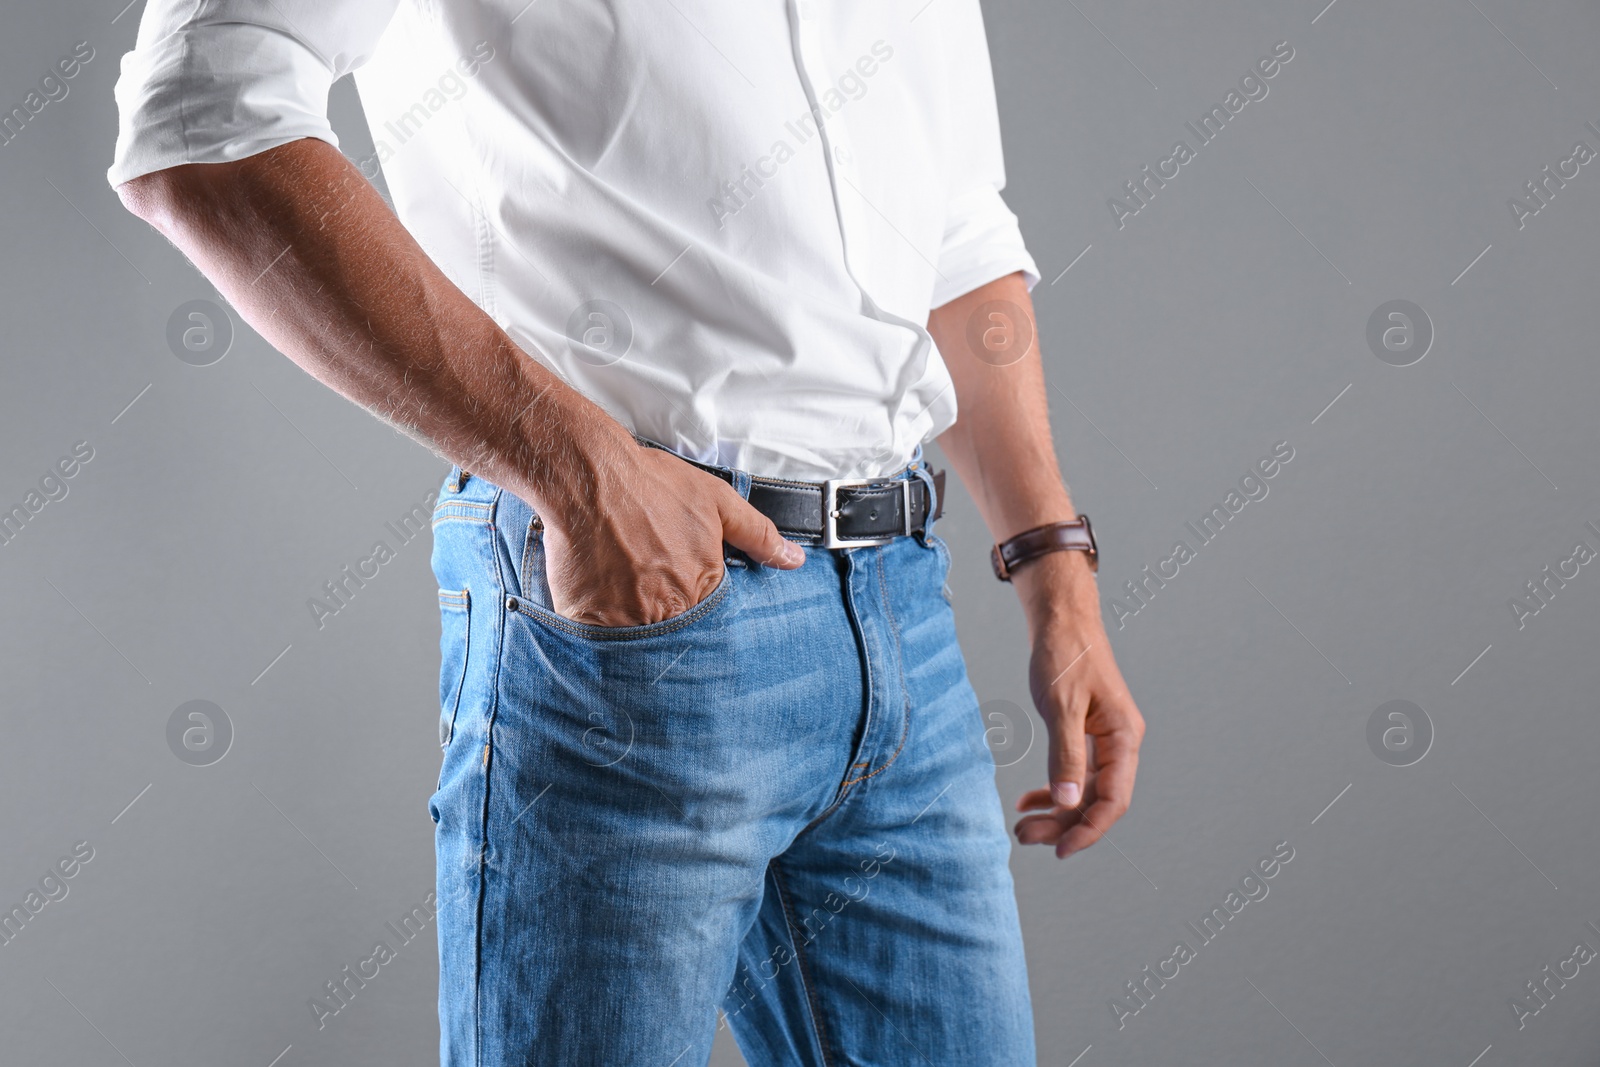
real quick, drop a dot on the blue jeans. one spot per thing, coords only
(775, 811)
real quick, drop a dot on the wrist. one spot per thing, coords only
(1059, 593)
(1027, 510)
(569, 452)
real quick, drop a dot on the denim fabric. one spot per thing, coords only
(774, 812)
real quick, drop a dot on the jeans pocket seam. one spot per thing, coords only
(460, 602)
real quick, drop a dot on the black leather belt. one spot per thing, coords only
(846, 512)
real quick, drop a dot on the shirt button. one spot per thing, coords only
(841, 154)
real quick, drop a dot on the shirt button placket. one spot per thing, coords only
(835, 141)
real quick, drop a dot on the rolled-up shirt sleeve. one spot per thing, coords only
(212, 81)
(982, 240)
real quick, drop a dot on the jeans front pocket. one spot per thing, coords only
(455, 636)
(535, 601)
(707, 607)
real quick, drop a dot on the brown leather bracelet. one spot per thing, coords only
(1073, 536)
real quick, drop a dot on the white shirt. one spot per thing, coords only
(724, 221)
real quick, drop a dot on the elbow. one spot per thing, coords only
(157, 198)
(205, 194)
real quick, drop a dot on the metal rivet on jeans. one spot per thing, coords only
(511, 603)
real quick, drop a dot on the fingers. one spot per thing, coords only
(1108, 795)
(743, 526)
(1091, 826)
(1035, 800)
(753, 533)
(1049, 821)
(1117, 756)
(1042, 829)
(1068, 829)
(1068, 754)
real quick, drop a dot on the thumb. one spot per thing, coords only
(1068, 758)
(753, 533)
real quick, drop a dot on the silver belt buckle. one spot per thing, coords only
(830, 512)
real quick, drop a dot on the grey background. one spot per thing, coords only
(1222, 319)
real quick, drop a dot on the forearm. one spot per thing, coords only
(1000, 445)
(308, 253)
(1001, 448)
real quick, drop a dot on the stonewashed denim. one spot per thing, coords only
(774, 812)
